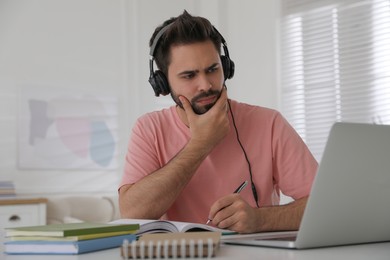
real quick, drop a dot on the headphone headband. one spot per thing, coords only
(157, 38)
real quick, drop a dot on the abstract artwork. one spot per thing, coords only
(58, 131)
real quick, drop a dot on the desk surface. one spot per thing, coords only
(17, 201)
(373, 251)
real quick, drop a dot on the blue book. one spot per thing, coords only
(65, 247)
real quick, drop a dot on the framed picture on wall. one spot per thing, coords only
(65, 131)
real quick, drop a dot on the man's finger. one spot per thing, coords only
(186, 105)
(223, 97)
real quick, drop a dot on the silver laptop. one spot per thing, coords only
(350, 197)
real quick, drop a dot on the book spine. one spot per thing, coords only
(102, 243)
(166, 248)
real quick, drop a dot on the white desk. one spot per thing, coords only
(357, 252)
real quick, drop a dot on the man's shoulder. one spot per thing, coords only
(246, 108)
(163, 114)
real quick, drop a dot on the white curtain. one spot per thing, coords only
(335, 65)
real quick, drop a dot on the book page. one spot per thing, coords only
(155, 226)
(150, 225)
(187, 226)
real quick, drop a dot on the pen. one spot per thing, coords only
(241, 187)
(238, 190)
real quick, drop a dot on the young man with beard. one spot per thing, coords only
(184, 162)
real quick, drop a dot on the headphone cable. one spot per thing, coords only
(254, 191)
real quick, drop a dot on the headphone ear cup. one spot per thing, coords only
(159, 83)
(228, 67)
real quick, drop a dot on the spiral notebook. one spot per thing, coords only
(173, 245)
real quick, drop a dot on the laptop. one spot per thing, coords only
(349, 200)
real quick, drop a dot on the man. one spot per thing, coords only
(185, 162)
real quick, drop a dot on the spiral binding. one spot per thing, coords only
(167, 249)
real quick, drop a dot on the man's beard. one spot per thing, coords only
(198, 109)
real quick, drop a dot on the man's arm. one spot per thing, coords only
(152, 196)
(284, 217)
(232, 212)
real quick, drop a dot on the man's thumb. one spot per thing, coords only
(186, 104)
(187, 108)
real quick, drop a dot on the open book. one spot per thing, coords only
(165, 226)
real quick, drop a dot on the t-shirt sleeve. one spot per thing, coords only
(295, 167)
(141, 158)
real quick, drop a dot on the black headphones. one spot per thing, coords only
(159, 81)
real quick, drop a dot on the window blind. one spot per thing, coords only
(335, 65)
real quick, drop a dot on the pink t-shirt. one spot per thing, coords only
(279, 159)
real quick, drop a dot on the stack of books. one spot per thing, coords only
(70, 238)
(7, 189)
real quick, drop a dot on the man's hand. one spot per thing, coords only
(233, 213)
(211, 127)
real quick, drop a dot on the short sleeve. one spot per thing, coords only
(141, 158)
(294, 164)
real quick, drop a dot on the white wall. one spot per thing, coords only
(101, 46)
(76, 46)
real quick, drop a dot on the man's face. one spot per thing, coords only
(196, 73)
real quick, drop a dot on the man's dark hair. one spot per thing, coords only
(184, 29)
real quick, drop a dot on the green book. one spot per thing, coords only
(69, 229)
(70, 238)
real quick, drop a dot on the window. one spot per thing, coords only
(335, 65)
